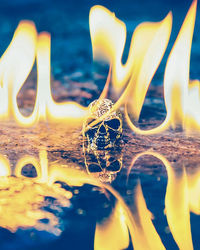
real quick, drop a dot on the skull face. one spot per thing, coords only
(106, 133)
(103, 164)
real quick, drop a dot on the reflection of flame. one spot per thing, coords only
(193, 181)
(113, 233)
(145, 230)
(30, 195)
(139, 224)
(22, 200)
(15, 66)
(22, 205)
(182, 197)
(147, 47)
(27, 195)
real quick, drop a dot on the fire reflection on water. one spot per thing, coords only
(181, 198)
(22, 199)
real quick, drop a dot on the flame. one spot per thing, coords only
(15, 66)
(182, 197)
(139, 224)
(21, 203)
(107, 44)
(22, 198)
(180, 97)
(4, 166)
(145, 232)
(30, 196)
(177, 208)
(148, 44)
(135, 224)
(193, 181)
(114, 226)
(45, 104)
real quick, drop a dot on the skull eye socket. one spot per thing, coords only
(114, 123)
(114, 166)
(91, 132)
(94, 168)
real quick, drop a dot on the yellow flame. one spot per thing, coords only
(138, 221)
(15, 66)
(181, 98)
(45, 103)
(4, 166)
(193, 180)
(21, 198)
(181, 101)
(146, 236)
(139, 224)
(148, 44)
(113, 232)
(31, 193)
(177, 208)
(182, 196)
(108, 35)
